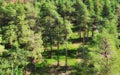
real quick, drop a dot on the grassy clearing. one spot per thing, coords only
(70, 46)
(72, 56)
(71, 62)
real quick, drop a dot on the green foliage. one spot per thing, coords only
(26, 28)
(105, 54)
(19, 37)
(82, 13)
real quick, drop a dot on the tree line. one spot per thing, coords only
(27, 28)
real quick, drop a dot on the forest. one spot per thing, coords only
(59, 37)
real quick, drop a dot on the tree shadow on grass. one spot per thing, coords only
(81, 52)
(54, 70)
(78, 40)
(71, 53)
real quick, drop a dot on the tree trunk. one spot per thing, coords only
(33, 66)
(79, 33)
(66, 60)
(12, 69)
(84, 39)
(51, 47)
(34, 69)
(58, 44)
(87, 38)
(93, 29)
(107, 64)
(12, 65)
(92, 33)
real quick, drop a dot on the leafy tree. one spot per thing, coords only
(107, 9)
(105, 55)
(48, 14)
(68, 31)
(82, 19)
(65, 10)
(20, 38)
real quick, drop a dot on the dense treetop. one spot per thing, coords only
(31, 28)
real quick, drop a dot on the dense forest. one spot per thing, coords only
(59, 37)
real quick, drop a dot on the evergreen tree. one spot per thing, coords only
(105, 54)
(82, 19)
(20, 39)
(48, 15)
(65, 10)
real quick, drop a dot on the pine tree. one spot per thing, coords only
(48, 14)
(105, 54)
(21, 40)
(65, 10)
(82, 19)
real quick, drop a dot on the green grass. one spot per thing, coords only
(70, 46)
(71, 62)
(74, 35)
